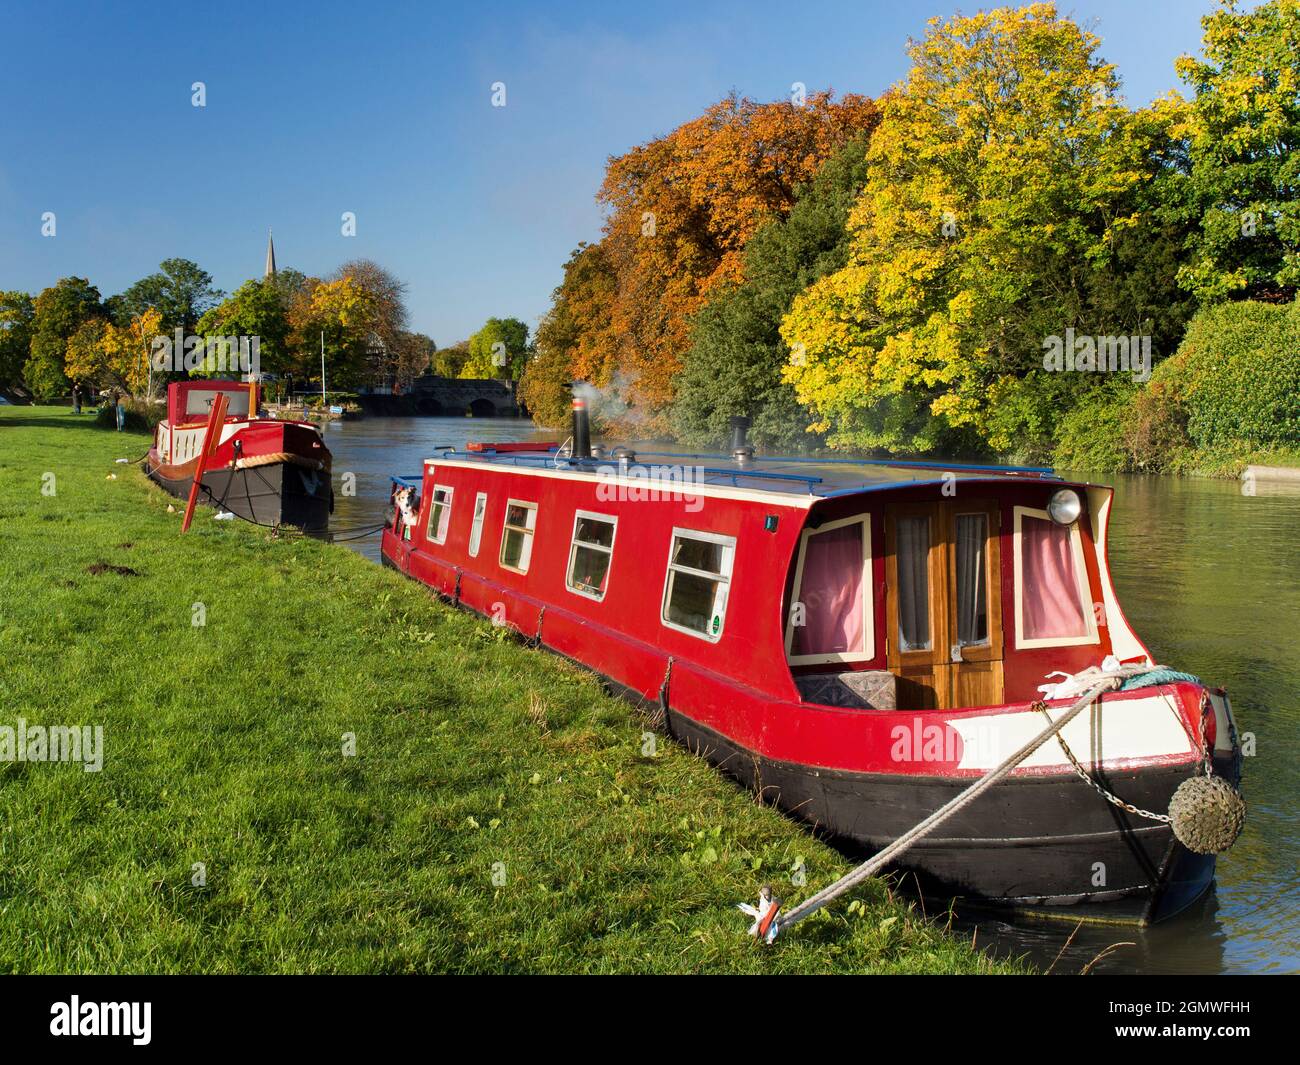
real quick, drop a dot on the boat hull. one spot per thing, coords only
(280, 493)
(1006, 849)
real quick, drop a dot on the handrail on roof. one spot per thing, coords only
(735, 473)
(906, 463)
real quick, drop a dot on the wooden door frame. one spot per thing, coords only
(938, 660)
(934, 660)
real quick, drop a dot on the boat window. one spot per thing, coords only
(476, 530)
(913, 547)
(198, 402)
(590, 554)
(972, 535)
(517, 535)
(830, 615)
(695, 588)
(1051, 583)
(439, 514)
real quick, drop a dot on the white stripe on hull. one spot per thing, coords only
(1112, 731)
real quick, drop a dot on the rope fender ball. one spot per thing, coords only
(1207, 814)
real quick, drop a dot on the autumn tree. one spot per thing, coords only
(105, 355)
(735, 360)
(574, 340)
(1003, 177)
(419, 352)
(348, 316)
(683, 206)
(393, 354)
(1244, 193)
(85, 356)
(58, 312)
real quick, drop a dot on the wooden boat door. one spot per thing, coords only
(943, 604)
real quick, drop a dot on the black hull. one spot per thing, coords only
(277, 494)
(1005, 850)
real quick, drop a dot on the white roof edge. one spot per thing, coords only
(656, 484)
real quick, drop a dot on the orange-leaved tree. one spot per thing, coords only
(681, 210)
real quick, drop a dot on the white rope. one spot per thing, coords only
(874, 864)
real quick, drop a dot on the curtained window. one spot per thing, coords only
(833, 592)
(972, 592)
(1050, 576)
(913, 551)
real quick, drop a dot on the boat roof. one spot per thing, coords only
(780, 475)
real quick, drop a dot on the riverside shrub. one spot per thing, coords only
(1237, 375)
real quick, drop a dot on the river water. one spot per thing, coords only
(1207, 575)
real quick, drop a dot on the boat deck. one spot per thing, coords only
(820, 476)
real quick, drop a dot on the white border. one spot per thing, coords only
(724, 578)
(532, 531)
(868, 599)
(591, 515)
(476, 525)
(1081, 578)
(1125, 644)
(433, 502)
(771, 497)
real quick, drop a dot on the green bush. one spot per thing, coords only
(1237, 376)
(1097, 433)
(333, 399)
(140, 417)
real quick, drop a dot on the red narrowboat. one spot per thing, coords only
(858, 641)
(267, 470)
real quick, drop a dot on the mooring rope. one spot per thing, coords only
(873, 865)
(249, 462)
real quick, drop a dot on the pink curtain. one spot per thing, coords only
(831, 592)
(1049, 602)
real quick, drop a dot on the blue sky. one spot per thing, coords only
(384, 109)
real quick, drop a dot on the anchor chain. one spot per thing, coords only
(664, 708)
(1109, 796)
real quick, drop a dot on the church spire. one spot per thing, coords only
(270, 255)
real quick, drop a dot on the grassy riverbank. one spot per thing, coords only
(223, 746)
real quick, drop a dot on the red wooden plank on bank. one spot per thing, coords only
(211, 440)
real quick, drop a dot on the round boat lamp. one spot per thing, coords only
(1064, 507)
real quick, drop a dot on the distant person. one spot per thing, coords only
(76, 398)
(120, 407)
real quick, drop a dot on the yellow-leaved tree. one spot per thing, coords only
(348, 315)
(1003, 178)
(104, 355)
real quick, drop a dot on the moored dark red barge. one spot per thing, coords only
(859, 640)
(266, 470)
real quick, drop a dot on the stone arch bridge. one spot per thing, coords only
(450, 397)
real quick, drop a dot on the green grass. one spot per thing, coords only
(223, 745)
